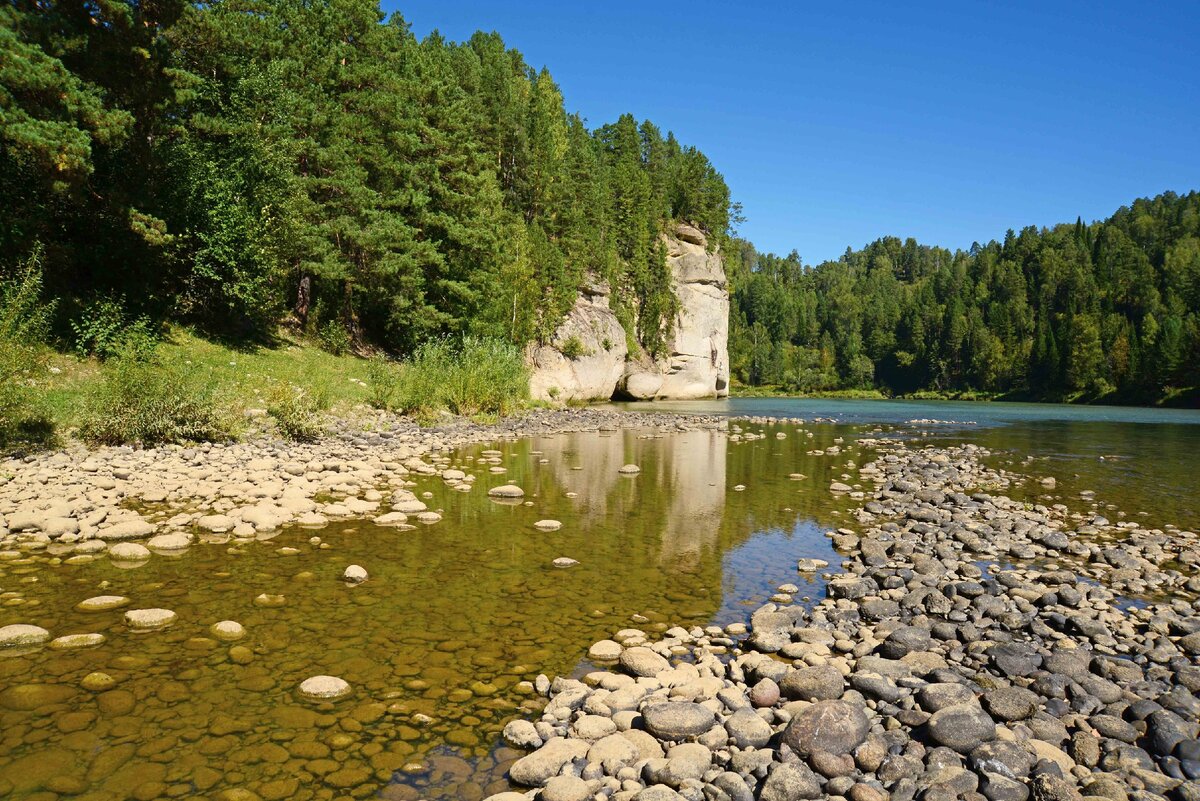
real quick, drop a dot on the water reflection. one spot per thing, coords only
(436, 644)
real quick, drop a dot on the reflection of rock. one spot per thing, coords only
(688, 468)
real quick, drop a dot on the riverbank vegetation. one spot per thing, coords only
(1107, 311)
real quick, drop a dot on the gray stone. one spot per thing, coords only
(834, 726)
(535, 769)
(963, 727)
(520, 733)
(677, 720)
(818, 683)
(641, 661)
(747, 730)
(790, 782)
(1011, 703)
(566, 788)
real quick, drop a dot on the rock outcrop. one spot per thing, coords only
(593, 371)
(600, 365)
(697, 363)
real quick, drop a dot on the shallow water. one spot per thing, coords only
(457, 614)
(1141, 460)
(454, 616)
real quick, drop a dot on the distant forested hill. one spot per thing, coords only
(1107, 309)
(232, 162)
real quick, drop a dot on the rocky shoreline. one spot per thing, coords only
(958, 655)
(125, 504)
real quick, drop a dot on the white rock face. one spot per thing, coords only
(594, 373)
(696, 364)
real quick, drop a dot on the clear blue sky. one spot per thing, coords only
(837, 123)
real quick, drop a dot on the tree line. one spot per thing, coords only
(1077, 311)
(236, 163)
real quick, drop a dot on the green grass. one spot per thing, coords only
(293, 379)
(249, 379)
(481, 378)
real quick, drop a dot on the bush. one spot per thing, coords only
(142, 400)
(474, 376)
(103, 329)
(297, 411)
(573, 348)
(334, 337)
(24, 321)
(382, 382)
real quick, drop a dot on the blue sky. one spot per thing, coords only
(838, 123)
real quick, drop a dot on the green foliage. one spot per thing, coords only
(297, 410)
(1066, 312)
(102, 328)
(382, 380)
(24, 322)
(468, 377)
(146, 401)
(334, 337)
(230, 165)
(573, 348)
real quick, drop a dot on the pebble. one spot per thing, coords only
(324, 688)
(149, 619)
(22, 635)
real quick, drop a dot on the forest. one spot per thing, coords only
(1108, 310)
(235, 164)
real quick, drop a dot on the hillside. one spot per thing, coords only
(1106, 311)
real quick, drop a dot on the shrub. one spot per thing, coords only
(573, 348)
(103, 329)
(141, 400)
(474, 376)
(297, 411)
(382, 382)
(24, 321)
(334, 337)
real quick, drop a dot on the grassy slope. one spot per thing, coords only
(244, 376)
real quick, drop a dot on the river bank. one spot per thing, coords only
(83, 502)
(958, 654)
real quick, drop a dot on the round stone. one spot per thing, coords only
(355, 574)
(566, 788)
(268, 601)
(170, 542)
(227, 630)
(428, 518)
(834, 726)
(102, 603)
(678, 720)
(22, 634)
(605, 651)
(324, 688)
(962, 727)
(98, 682)
(149, 619)
(817, 683)
(547, 525)
(506, 491)
(565, 561)
(128, 552)
(629, 470)
(642, 661)
(69, 641)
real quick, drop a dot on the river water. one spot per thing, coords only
(458, 615)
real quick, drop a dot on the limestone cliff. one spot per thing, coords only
(593, 370)
(600, 367)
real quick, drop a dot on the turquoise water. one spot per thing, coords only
(1143, 461)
